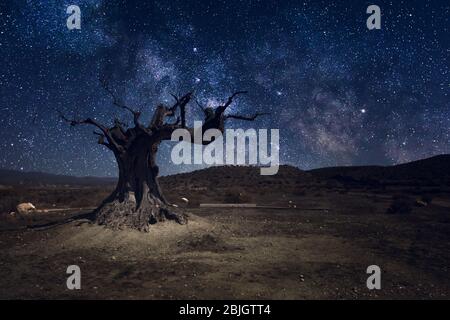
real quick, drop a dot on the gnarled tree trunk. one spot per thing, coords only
(137, 201)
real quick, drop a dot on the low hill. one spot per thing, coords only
(15, 178)
(239, 176)
(434, 170)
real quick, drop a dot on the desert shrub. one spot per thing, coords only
(400, 205)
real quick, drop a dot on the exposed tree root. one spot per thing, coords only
(127, 214)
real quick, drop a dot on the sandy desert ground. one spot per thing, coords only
(253, 253)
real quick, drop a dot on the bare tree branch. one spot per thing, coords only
(162, 112)
(119, 124)
(221, 109)
(230, 99)
(136, 114)
(159, 116)
(175, 97)
(181, 102)
(120, 139)
(213, 120)
(246, 118)
(93, 122)
(199, 105)
(101, 140)
(177, 122)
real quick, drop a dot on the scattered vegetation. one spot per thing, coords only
(400, 204)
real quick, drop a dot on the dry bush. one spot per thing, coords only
(400, 205)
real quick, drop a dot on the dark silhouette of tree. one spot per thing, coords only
(138, 201)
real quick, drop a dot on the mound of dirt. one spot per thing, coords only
(128, 243)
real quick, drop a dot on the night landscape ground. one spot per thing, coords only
(322, 229)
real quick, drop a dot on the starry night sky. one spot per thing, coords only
(339, 93)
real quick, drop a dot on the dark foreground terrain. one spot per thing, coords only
(339, 222)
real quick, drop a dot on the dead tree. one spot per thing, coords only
(137, 201)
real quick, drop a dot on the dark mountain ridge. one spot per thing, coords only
(15, 177)
(431, 170)
(435, 169)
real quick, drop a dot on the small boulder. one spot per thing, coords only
(25, 208)
(185, 200)
(420, 203)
